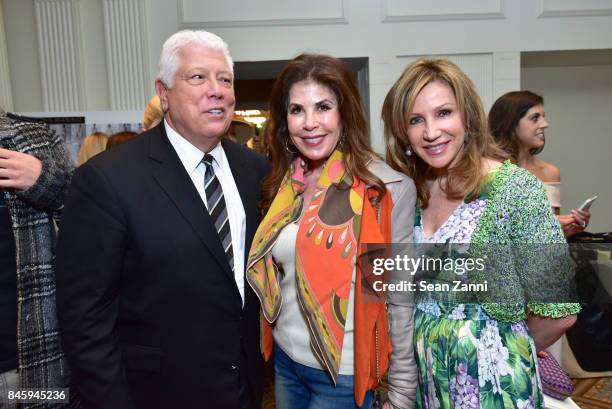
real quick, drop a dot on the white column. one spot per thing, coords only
(6, 95)
(126, 54)
(59, 51)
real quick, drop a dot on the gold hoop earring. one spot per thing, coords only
(287, 147)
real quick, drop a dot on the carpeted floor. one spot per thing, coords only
(589, 393)
(593, 393)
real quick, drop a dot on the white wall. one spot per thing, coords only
(388, 32)
(578, 104)
(22, 47)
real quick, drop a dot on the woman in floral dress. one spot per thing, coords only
(476, 349)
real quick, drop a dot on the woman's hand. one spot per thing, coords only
(18, 170)
(581, 217)
(568, 225)
(574, 222)
(546, 331)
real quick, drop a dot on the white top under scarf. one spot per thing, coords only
(291, 331)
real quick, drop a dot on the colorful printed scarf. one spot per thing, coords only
(326, 249)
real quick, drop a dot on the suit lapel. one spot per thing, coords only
(174, 180)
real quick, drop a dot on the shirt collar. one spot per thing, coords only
(218, 153)
(190, 156)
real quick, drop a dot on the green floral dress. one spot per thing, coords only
(480, 354)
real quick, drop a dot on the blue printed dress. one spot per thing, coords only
(481, 355)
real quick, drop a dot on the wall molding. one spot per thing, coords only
(479, 67)
(126, 53)
(588, 8)
(289, 21)
(498, 13)
(60, 54)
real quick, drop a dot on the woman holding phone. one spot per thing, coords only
(517, 122)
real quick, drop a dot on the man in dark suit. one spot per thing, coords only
(153, 306)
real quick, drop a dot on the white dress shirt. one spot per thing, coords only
(191, 157)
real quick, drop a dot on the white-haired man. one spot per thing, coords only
(153, 307)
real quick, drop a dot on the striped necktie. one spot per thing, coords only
(217, 209)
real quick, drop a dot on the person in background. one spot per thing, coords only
(260, 142)
(152, 302)
(231, 133)
(517, 122)
(93, 144)
(35, 173)
(119, 138)
(153, 114)
(327, 195)
(474, 349)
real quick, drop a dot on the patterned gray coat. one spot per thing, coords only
(41, 360)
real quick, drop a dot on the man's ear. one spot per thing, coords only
(162, 93)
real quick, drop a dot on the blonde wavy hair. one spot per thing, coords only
(465, 178)
(93, 144)
(153, 114)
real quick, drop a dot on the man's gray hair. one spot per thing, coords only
(168, 61)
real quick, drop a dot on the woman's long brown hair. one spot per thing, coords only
(335, 74)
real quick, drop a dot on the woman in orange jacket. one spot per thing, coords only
(327, 195)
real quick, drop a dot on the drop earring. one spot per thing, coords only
(343, 138)
(287, 147)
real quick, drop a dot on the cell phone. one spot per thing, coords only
(587, 203)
